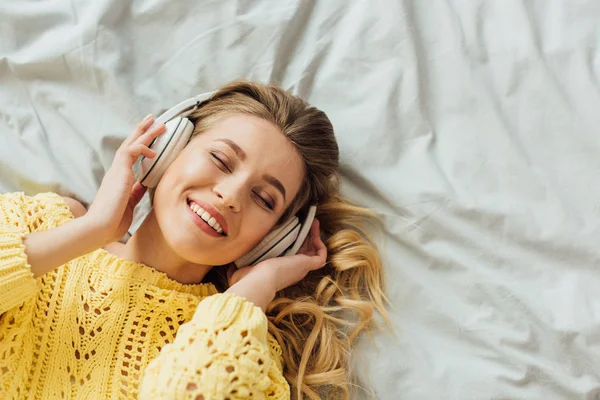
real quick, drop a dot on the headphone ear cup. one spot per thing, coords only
(273, 245)
(285, 241)
(304, 231)
(167, 146)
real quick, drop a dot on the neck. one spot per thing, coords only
(148, 246)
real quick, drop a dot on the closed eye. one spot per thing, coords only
(266, 203)
(261, 199)
(220, 161)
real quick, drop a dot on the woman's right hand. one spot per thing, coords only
(112, 209)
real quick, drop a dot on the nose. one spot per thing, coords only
(230, 194)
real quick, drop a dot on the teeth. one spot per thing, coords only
(206, 217)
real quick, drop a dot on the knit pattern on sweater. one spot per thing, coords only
(103, 327)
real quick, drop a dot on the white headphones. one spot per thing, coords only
(283, 241)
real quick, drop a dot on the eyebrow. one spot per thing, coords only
(242, 156)
(238, 150)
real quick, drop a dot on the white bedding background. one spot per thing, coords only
(471, 125)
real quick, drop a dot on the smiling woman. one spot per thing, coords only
(230, 185)
(262, 155)
(166, 315)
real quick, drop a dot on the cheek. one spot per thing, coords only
(253, 231)
(187, 171)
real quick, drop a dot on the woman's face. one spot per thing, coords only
(241, 185)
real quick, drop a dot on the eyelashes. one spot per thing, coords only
(220, 161)
(266, 203)
(262, 200)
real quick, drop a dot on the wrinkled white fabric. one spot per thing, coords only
(472, 126)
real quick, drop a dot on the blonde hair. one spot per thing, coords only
(318, 320)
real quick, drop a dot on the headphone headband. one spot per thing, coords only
(184, 108)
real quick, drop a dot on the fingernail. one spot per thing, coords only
(147, 117)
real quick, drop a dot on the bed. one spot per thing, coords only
(470, 126)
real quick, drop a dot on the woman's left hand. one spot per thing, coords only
(260, 282)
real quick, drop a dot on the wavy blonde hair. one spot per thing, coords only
(318, 320)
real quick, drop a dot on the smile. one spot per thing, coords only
(203, 220)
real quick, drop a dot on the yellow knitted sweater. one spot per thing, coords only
(102, 327)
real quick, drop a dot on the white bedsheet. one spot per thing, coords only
(472, 126)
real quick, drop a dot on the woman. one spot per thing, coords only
(166, 316)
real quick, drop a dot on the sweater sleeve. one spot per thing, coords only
(224, 352)
(19, 216)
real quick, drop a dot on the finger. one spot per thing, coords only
(136, 150)
(151, 134)
(139, 129)
(304, 248)
(148, 152)
(315, 234)
(125, 158)
(137, 193)
(307, 245)
(316, 228)
(321, 257)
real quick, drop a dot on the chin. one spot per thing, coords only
(189, 247)
(194, 249)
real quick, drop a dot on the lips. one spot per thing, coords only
(213, 212)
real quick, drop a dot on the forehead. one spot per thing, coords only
(243, 127)
(267, 150)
